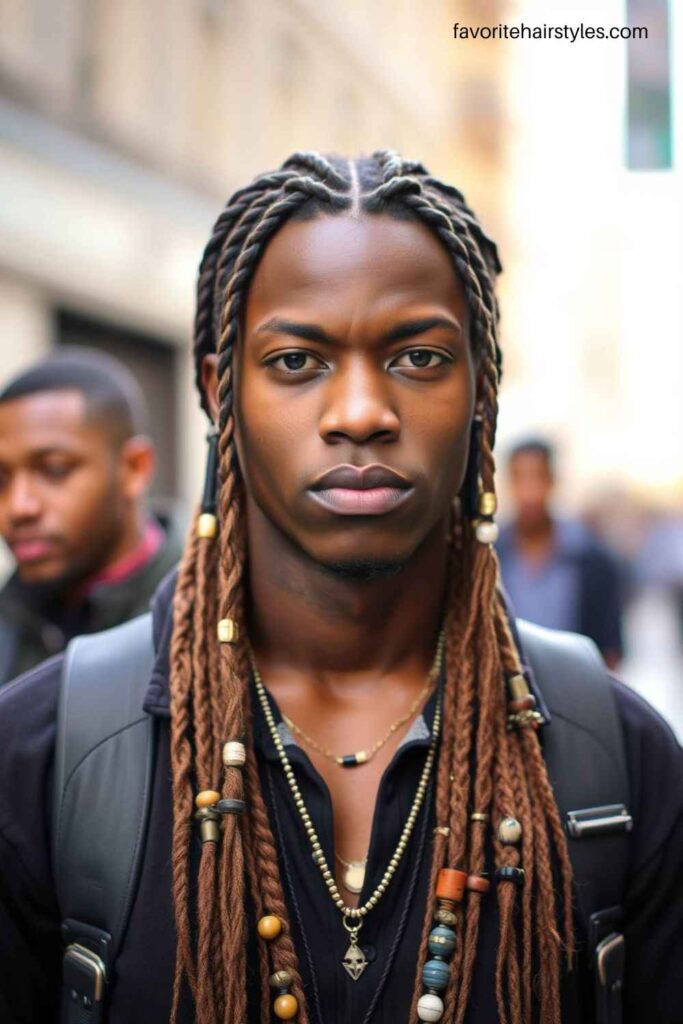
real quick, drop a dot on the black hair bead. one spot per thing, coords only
(230, 806)
(509, 874)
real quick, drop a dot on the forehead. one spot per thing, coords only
(375, 261)
(44, 419)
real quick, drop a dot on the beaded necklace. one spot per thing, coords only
(355, 961)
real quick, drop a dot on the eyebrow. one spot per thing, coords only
(309, 332)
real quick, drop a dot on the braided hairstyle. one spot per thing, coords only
(481, 765)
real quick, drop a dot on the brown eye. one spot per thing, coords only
(294, 360)
(421, 359)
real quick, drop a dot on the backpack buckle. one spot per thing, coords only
(599, 821)
(84, 979)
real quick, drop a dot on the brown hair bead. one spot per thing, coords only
(477, 883)
(285, 1007)
(450, 884)
(523, 704)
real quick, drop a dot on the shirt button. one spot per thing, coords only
(370, 952)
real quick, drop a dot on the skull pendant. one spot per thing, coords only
(354, 961)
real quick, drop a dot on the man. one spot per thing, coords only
(75, 468)
(555, 570)
(345, 338)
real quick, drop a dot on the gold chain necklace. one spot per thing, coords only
(355, 961)
(363, 756)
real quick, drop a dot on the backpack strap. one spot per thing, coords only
(104, 762)
(584, 752)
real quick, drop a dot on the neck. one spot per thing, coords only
(304, 619)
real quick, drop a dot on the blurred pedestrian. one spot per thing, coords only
(75, 468)
(557, 573)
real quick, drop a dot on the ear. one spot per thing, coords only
(137, 463)
(209, 381)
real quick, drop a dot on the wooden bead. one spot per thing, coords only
(509, 831)
(450, 884)
(207, 798)
(527, 703)
(477, 883)
(269, 927)
(234, 754)
(285, 1007)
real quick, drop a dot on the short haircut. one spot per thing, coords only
(113, 397)
(534, 445)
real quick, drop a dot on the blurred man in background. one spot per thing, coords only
(556, 572)
(75, 469)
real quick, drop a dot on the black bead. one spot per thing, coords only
(508, 874)
(349, 761)
(230, 806)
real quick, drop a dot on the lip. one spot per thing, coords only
(361, 491)
(32, 549)
(360, 478)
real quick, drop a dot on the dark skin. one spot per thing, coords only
(70, 493)
(355, 351)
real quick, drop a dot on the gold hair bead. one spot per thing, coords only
(518, 687)
(227, 631)
(209, 825)
(488, 503)
(480, 816)
(234, 754)
(207, 526)
(442, 830)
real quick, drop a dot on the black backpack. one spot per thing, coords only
(104, 765)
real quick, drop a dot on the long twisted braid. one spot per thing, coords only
(481, 765)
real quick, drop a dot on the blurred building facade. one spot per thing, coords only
(124, 126)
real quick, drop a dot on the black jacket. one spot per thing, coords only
(30, 948)
(31, 631)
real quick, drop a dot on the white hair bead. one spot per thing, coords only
(429, 1007)
(234, 754)
(487, 532)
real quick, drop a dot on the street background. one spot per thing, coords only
(124, 126)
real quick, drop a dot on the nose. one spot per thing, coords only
(23, 502)
(358, 407)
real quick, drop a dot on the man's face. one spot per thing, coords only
(531, 487)
(354, 356)
(60, 511)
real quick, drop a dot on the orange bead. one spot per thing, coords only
(285, 1007)
(207, 798)
(269, 927)
(450, 884)
(475, 883)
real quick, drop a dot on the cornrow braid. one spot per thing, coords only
(481, 765)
